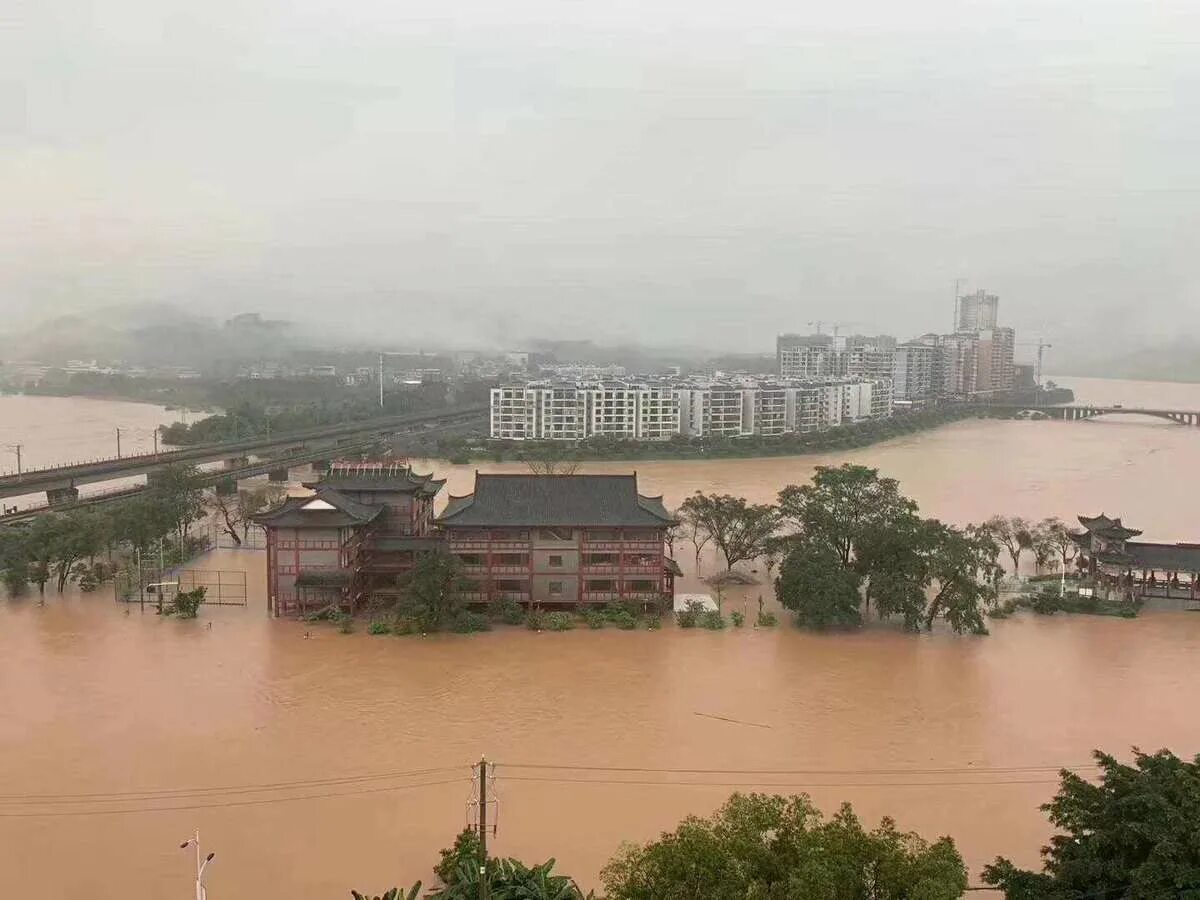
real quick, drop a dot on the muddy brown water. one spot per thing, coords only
(106, 712)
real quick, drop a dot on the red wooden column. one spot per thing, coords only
(579, 568)
(620, 563)
(487, 577)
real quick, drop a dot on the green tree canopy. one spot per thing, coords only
(841, 503)
(1135, 833)
(738, 528)
(430, 591)
(780, 848)
(817, 587)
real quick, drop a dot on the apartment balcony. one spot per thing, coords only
(473, 569)
(600, 596)
(605, 569)
(472, 596)
(520, 569)
(519, 596)
(633, 546)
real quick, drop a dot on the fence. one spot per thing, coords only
(253, 538)
(150, 584)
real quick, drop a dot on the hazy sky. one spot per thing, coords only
(676, 171)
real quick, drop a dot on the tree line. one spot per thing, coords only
(850, 542)
(1131, 833)
(87, 545)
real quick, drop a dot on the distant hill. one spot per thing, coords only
(151, 335)
(1178, 360)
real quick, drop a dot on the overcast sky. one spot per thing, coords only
(673, 171)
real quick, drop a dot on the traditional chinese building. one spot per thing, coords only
(363, 526)
(560, 540)
(1136, 568)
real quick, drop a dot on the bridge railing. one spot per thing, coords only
(245, 444)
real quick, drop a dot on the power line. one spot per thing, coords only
(954, 770)
(172, 793)
(780, 784)
(223, 805)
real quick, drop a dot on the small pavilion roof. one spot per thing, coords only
(326, 508)
(393, 477)
(1097, 523)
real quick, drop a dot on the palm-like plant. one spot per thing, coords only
(393, 894)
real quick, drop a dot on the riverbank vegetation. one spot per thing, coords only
(1129, 833)
(90, 545)
(462, 450)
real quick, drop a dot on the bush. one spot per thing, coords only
(379, 628)
(653, 623)
(459, 459)
(595, 619)
(559, 621)
(345, 622)
(690, 616)
(403, 625)
(712, 620)
(467, 622)
(511, 612)
(186, 604)
(535, 620)
(625, 620)
(738, 619)
(766, 620)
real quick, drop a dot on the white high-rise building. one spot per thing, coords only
(978, 311)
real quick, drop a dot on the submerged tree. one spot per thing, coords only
(740, 529)
(815, 585)
(841, 504)
(1015, 534)
(430, 591)
(1133, 834)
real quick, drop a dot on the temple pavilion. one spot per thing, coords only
(1136, 569)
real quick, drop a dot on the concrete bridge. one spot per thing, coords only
(274, 453)
(1078, 412)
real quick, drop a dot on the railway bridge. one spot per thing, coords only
(273, 454)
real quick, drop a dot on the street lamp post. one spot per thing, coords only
(201, 864)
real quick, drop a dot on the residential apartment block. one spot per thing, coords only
(656, 411)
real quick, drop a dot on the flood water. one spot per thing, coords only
(949, 734)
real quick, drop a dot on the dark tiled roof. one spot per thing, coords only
(1165, 557)
(1118, 533)
(345, 511)
(394, 478)
(600, 500)
(1098, 523)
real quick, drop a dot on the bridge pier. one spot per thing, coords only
(278, 474)
(226, 487)
(62, 496)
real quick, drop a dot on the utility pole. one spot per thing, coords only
(17, 448)
(381, 379)
(483, 802)
(118, 443)
(156, 442)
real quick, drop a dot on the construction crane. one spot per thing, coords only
(1042, 347)
(836, 325)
